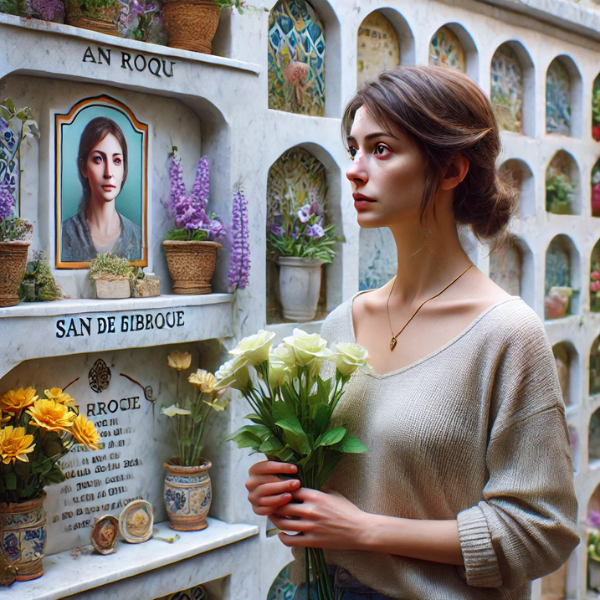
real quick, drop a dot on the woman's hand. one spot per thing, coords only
(325, 520)
(266, 491)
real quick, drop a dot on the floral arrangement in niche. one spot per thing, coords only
(595, 287)
(560, 192)
(35, 433)
(189, 414)
(192, 222)
(239, 266)
(38, 284)
(596, 114)
(107, 265)
(21, 121)
(142, 20)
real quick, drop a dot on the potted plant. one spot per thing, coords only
(38, 283)
(142, 20)
(96, 15)
(192, 24)
(187, 484)
(302, 242)
(557, 304)
(596, 115)
(111, 277)
(595, 287)
(35, 433)
(560, 191)
(191, 248)
(15, 233)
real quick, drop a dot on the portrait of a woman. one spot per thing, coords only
(98, 227)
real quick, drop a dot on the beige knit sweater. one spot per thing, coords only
(476, 432)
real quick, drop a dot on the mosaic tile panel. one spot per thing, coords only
(282, 588)
(445, 50)
(296, 59)
(558, 99)
(378, 261)
(9, 171)
(378, 47)
(507, 89)
(505, 269)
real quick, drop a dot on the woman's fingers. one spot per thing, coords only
(272, 467)
(265, 490)
(289, 524)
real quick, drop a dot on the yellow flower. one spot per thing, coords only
(4, 419)
(179, 360)
(59, 396)
(84, 432)
(15, 401)
(14, 444)
(204, 380)
(51, 416)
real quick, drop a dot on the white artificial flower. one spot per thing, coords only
(234, 373)
(173, 410)
(350, 357)
(255, 348)
(308, 347)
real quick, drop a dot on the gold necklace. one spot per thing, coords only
(394, 339)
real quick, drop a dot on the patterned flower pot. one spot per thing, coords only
(191, 265)
(191, 24)
(13, 262)
(299, 287)
(23, 536)
(103, 20)
(187, 495)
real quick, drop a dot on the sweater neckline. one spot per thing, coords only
(478, 318)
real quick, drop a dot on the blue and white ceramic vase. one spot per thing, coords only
(23, 536)
(187, 495)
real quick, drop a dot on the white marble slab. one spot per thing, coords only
(70, 573)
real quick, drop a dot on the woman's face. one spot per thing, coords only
(387, 174)
(105, 169)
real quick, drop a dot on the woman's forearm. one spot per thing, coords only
(435, 541)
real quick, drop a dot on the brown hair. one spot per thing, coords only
(95, 131)
(445, 113)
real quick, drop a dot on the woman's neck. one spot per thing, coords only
(102, 216)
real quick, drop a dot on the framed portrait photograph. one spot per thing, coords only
(101, 184)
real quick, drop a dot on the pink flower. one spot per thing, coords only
(555, 305)
(295, 73)
(595, 286)
(595, 276)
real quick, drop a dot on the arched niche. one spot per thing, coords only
(594, 437)
(298, 63)
(562, 185)
(563, 97)
(452, 46)
(567, 366)
(595, 367)
(596, 109)
(596, 189)
(595, 278)
(512, 88)
(562, 270)
(377, 47)
(302, 176)
(518, 173)
(377, 262)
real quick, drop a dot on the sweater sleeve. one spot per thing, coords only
(526, 524)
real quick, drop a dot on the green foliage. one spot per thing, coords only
(107, 264)
(228, 3)
(560, 191)
(187, 235)
(39, 275)
(304, 246)
(594, 545)
(13, 7)
(94, 8)
(596, 107)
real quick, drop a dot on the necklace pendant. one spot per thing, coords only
(393, 343)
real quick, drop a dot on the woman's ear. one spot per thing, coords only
(455, 172)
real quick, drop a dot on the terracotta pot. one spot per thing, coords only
(13, 262)
(191, 24)
(105, 22)
(23, 536)
(299, 287)
(191, 265)
(188, 494)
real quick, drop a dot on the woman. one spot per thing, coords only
(467, 490)
(97, 227)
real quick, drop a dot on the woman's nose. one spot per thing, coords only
(356, 172)
(107, 170)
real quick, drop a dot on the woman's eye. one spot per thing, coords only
(352, 152)
(117, 161)
(380, 149)
(97, 159)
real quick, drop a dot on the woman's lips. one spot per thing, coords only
(108, 188)
(362, 202)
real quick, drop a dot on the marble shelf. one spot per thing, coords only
(37, 330)
(65, 575)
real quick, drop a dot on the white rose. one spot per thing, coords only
(234, 373)
(255, 347)
(308, 347)
(278, 373)
(350, 357)
(284, 354)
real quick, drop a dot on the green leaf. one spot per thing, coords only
(321, 413)
(324, 386)
(308, 462)
(54, 476)
(11, 481)
(282, 410)
(271, 446)
(262, 431)
(331, 462)
(331, 437)
(294, 434)
(254, 418)
(245, 438)
(350, 445)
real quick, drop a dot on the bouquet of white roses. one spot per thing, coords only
(292, 409)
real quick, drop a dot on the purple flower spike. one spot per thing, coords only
(7, 202)
(276, 229)
(239, 266)
(314, 231)
(304, 213)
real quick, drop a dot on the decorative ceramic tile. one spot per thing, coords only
(445, 50)
(296, 59)
(378, 47)
(563, 362)
(282, 588)
(378, 261)
(505, 269)
(558, 99)
(9, 171)
(507, 89)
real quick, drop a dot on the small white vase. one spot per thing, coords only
(299, 287)
(593, 574)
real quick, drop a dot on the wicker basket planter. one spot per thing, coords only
(105, 22)
(13, 262)
(191, 265)
(191, 24)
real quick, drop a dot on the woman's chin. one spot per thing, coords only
(369, 221)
